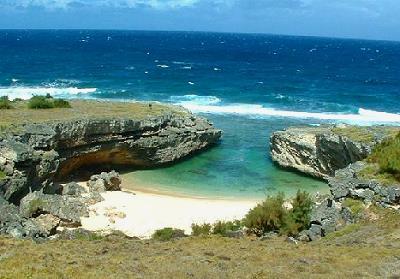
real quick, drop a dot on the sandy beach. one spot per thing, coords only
(140, 214)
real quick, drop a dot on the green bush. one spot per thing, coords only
(267, 216)
(40, 102)
(201, 230)
(5, 103)
(272, 215)
(298, 218)
(61, 103)
(168, 234)
(221, 227)
(387, 156)
(47, 102)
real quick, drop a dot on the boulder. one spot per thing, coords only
(66, 208)
(110, 181)
(73, 189)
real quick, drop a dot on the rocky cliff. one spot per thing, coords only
(34, 154)
(320, 151)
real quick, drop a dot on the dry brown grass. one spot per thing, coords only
(370, 250)
(366, 134)
(82, 109)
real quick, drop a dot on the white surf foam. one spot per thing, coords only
(25, 93)
(188, 100)
(212, 104)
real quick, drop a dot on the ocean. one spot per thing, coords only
(248, 85)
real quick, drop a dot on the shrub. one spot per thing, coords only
(168, 234)
(40, 102)
(222, 227)
(5, 103)
(47, 102)
(201, 230)
(298, 218)
(387, 156)
(61, 103)
(267, 216)
(271, 215)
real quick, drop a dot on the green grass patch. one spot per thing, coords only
(167, 234)
(5, 103)
(2, 175)
(356, 207)
(343, 232)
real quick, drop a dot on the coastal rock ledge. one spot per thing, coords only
(35, 154)
(320, 151)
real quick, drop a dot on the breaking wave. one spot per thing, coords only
(213, 105)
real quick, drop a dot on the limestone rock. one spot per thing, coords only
(105, 182)
(36, 154)
(68, 209)
(73, 189)
(317, 151)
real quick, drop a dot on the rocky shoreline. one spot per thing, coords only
(34, 156)
(336, 155)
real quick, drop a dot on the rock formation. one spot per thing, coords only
(320, 151)
(335, 155)
(33, 155)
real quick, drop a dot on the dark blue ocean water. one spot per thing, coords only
(248, 85)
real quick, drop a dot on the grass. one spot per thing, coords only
(2, 175)
(167, 234)
(373, 172)
(367, 250)
(384, 162)
(366, 134)
(356, 207)
(84, 109)
(5, 103)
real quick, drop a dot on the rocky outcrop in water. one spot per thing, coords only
(320, 151)
(33, 155)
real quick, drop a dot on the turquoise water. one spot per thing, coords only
(248, 85)
(239, 167)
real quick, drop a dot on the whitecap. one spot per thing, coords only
(162, 66)
(187, 68)
(188, 100)
(179, 63)
(202, 104)
(217, 69)
(25, 93)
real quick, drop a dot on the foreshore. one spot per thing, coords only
(139, 214)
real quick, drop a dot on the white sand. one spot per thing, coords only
(140, 214)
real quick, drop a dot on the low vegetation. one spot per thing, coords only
(369, 249)
(366, 134)
(47, 102)
(355, 206)
(384, 162)
(2, 175)
(80, 109)
(167, 234)
(273, 216)
(5, 103)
